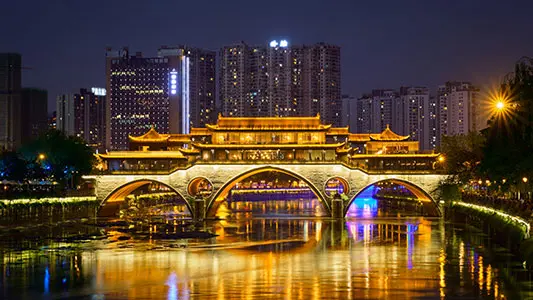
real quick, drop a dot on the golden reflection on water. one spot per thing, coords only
(265, 258)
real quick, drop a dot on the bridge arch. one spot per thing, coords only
(429, 203)
(119, 194)
(223, 191)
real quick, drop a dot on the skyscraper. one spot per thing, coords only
(419, 116)
(235, 72)
(409, 111)
(279, 86)
(458, 108)
(173, 91)
(281, 80)
(89, 116)
(65, 108)
(82, 114)
(321, 70)
(34, 117)
(202, 86)
(10, 89)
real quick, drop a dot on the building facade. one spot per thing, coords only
(458, 106)
(34, 119)
(419, 111)
(173, 91)
(65, 114)
(10, 93)
(82, 114)
(410, 111)
(280, 80)
(89, 116)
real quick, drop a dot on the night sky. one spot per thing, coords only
(384, 43)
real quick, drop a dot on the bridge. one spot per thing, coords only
(223, 155)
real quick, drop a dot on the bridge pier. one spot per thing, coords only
(199, 209)
(337, 208)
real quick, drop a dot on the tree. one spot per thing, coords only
(12, 167)
(463, 154)
(509, 136)
(63, 159)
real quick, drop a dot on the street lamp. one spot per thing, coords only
(524, 179)
(42, 156)
(500, 105)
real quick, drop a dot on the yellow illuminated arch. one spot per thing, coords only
(429, 203)
(221, 194)
(120, 193)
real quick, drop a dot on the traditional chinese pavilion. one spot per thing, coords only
(261, 139)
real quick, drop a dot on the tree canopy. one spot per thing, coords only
(463, 155)
(508, 151)
(53, 157)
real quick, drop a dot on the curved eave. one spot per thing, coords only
(142, 155)
(399, 139)
(171, 140)
(189, 151)
(147, 140)
(260, 128)
(269, 146)
(344, 150)
(408, 156)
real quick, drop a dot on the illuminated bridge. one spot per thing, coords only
(204, 166)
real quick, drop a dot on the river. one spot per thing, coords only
(373, 254)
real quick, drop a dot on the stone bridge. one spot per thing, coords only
(112, 188)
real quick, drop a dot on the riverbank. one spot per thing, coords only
(511, 231)
(46, 210)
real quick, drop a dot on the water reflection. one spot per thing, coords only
(274, 206)
(371, 257)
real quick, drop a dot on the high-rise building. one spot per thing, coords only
(82, 114)
(279, 88)
(236, 93)
(322, 82)
(408, 111)
(458, 108)
(202, 86)
(377, 110)
(281, 80)
(34, 117)
(10, 89)
(382, 105)
(257, 103)
(419, 116)
(173, 91)
(364, 116)
(89, 116)
(65, 108)
(349, 112)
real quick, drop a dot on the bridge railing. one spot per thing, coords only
(367, 165)
(519, 207)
